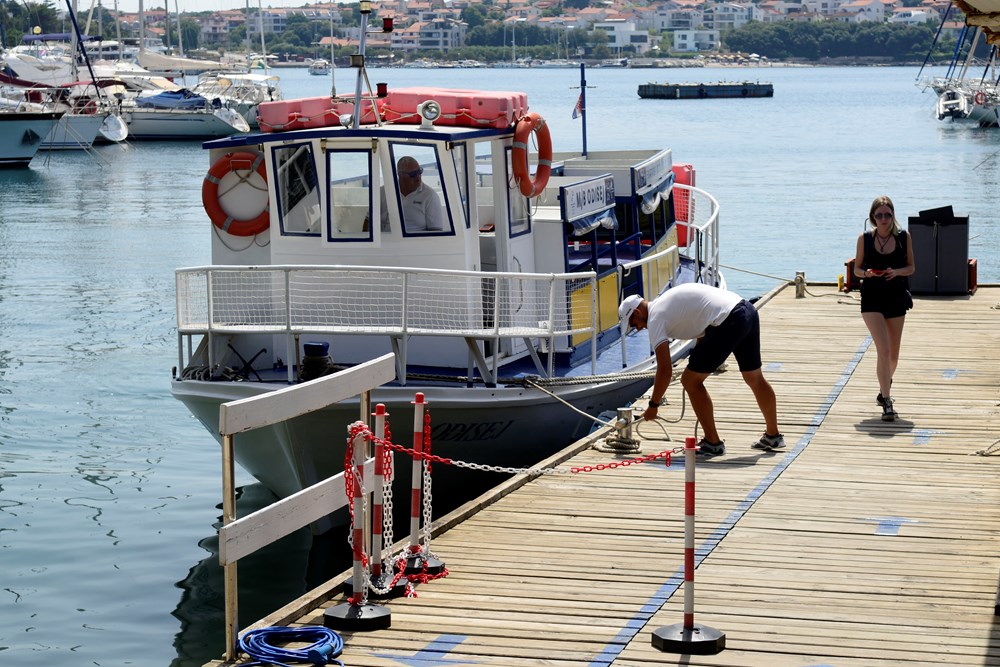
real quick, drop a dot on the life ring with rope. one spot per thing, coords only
(980, 97)
(531, 187)
(234, 162)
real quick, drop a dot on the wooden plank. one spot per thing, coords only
(284, 404)
(283, 517)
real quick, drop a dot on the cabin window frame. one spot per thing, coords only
(280, 191)
(441, 187)
(364, 235)
(519, 227)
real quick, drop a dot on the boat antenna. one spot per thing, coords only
(358, 60)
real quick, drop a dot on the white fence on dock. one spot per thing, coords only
(239, 538)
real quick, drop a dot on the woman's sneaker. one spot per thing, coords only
(888, 412)
(709, 449)
(879, 400)
(769, 443)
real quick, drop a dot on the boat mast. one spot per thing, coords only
(142, 32)
(263, 49)
(180, 41)
(333, 60)
(166, 22)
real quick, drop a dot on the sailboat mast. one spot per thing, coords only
(333, 60)
(180, 41)
(263, 49)
(166, 22)
(142, 29)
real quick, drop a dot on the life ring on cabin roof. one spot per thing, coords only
(531, 187)
(980, 98)
(245, 163)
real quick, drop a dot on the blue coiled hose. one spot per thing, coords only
(260, 645)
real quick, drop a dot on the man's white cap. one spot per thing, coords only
(625, 311)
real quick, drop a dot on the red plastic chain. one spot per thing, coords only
(665, 455)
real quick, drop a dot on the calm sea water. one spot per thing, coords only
(109, 490)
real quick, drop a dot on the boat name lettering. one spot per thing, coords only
(590, 197)
(651, 174)
(468, 432)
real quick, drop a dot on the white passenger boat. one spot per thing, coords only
(504, 316)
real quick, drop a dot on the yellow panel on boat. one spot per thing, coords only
(607, 304)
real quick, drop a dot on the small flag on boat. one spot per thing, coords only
(578, 109)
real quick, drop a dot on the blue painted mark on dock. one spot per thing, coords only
(774, 366)
(889, 525)
(922, 436)
(950, 374)
(617, 644)
(433, 654)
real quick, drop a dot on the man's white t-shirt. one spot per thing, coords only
(421, 211)
(685, 311)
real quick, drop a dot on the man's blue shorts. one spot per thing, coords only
(739, 335)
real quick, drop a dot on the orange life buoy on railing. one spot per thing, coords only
(243, 162)
(980, 98)
(519, 155)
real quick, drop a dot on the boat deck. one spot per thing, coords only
(862, 543)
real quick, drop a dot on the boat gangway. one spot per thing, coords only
(862, 543)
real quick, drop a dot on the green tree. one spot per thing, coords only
(833, 39)
(474, 16)
(20, 18)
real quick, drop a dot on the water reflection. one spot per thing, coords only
(268, 579)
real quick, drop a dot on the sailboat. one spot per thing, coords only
(969, 90)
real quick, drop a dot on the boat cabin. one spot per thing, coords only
(432, 237)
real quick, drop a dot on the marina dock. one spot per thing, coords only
(862, 543)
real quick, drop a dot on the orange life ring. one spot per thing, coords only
(519, 155)
(242, 161)
(980, 98)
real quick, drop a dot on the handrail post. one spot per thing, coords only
(229, 569)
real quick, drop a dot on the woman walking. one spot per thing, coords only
(884, 260)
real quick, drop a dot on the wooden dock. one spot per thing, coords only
(862, 543)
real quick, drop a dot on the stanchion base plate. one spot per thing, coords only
(382, 582)
(362, 617)
(415, 565)
(696, 640)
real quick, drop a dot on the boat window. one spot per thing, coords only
(297, 190)
(520, 220)
(349, 195)
(420, 194)
(459, 155)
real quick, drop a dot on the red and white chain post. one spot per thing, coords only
(687, 637)
(356, 613)
(419, 560)
(383, 583)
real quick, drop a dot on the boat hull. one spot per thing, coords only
(22, 134)
(503, 426)
(171, 124)
(73, 132)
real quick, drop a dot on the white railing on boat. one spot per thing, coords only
(701, 213)
(385, 301)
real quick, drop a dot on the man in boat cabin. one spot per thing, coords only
(723, 323)
(422, 210)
